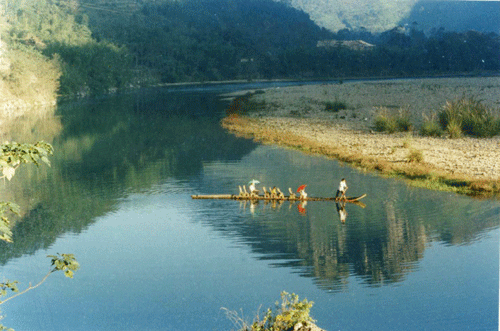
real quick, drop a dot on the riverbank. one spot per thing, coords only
(297, 117)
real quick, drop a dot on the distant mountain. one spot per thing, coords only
(380, 15)
(209, 40)
(458, 16)
(99, 45)
(372, 15)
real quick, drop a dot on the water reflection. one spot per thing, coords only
(108, 148)
(342, 211)
(255, 206)
(379, 242)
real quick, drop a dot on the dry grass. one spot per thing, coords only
(418, 172)
(415, 155)
(469, 116)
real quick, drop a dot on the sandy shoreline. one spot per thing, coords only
(296, 116)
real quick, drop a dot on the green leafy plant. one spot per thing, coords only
(60, 262)
(12, 155)
(5, 208)
(64, 262)
(288, 314)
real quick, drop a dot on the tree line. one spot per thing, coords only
(106, 45)
(257, 39)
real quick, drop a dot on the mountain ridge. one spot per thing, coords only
(377, 15)
(92, 48)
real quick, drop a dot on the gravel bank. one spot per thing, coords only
(300, 112)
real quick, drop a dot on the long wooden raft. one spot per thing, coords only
(285, 198)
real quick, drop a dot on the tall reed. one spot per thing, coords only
(470, 116)
(387, 122)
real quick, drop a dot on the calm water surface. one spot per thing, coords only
(118, 196)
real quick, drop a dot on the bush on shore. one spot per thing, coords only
(387, 122)
(31, 77)
(465, 116)
(415, 156)
(335, 106)
(430, 127)
(468, 116)
(288, 315)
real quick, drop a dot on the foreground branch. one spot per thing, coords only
(29, 288)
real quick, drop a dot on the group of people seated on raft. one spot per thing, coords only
(276, 193)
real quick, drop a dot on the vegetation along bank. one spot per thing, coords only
(70, 48)
(440, 133)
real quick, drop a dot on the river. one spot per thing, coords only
(118, 196)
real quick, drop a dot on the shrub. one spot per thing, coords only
(245, 104)
(403, 120)
(454, 129)
(415, 156)
(385, 122)
(32, 77)
(407, 141)
(335, 106)
(471, 116)
(286, 316)
(431, 128)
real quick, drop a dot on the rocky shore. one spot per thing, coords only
(297, 117)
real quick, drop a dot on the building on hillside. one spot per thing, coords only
(357, 45)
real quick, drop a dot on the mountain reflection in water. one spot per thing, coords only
(158, 147)
(109, 148)
(379, 243)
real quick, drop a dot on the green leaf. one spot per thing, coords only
(8, 172)
(66, 262)
(3, 328)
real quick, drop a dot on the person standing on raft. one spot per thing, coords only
(342, 189)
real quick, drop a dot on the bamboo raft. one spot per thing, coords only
(284, 198)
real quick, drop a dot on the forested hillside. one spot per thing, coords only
(196, 40)
(90, 47)
(206, 39)
(27, 78)
(51, 41)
